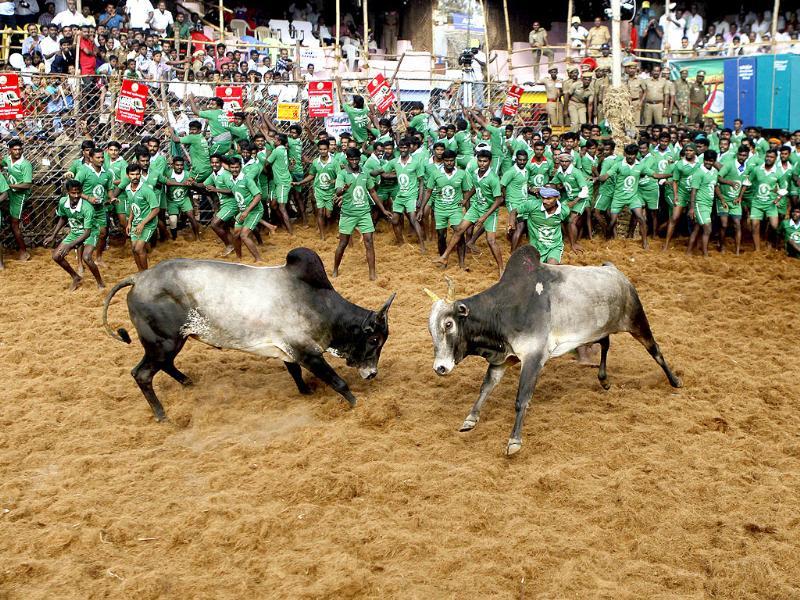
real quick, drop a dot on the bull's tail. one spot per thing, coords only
(120, 334)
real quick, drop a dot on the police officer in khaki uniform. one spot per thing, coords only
(537, 38)
(601, 83)
(697, 97)
(567, 87)
(669, 92)
(635, 87)
(553, 91)
(682, 97)
(604, 60)
(654, 98)
(580, 101)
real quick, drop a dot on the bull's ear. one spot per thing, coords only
(381, 314)
(462, 310)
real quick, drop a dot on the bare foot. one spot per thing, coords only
(474, 249)
(272, 228)
(228, 250)
(423, 249)
(664, 248)
(645, 245)
(577, 249)
(100, 262)
(24, 256)
(464, 268)
(439, 260)
(372, 276)
(76, 283)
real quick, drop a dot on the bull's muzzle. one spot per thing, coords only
(368, 372)
(442, 368)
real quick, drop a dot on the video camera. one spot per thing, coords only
(466, 57)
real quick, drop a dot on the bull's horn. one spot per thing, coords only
(431, 295)
(381, 314)
(451, 289)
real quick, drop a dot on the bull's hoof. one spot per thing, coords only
(306, 391)
(513, 447)
(352, 403)
(187, 382)
(678, 383)
(161, 418)
(605, 384)
(469, 424)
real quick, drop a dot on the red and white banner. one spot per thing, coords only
(232, 97)
(10, 97)
(320, 99)
(381, 93)
(511, 105)
(131, 102)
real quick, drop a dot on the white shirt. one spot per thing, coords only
(7, 8)
(577, 36)
(139, 12)
(67, 17)
(673, 31)
(694, 28)
(33, 8)
(48, 46)
(760, 28)
(722, 26)
(160, 21)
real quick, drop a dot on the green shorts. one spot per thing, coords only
(580, 206)
(631, 203)
(200, 176)
(297, 175)
(760, 209)
(219, 148)
(279, 192)
(649, 198)
(474, 213)
(683, 200)
(252, 219)
(783, 204)
(90, 241)
(324, 199)
(603, 202)
(362, 222)
(448, 217)
(122, 206)
(733, 210)
(669, 199)
(227, 212)
(100, 219)
(383, 193)
(181, 206)
(162, 199)
(404, 204)
(702, 213)
(463, 161)
(15, 206)
(147, 232)
(551, 253)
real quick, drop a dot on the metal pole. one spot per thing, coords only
(774, 29)
(508, 42)
(569, 25)
(616, 48)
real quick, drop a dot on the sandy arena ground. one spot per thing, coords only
(252, 490)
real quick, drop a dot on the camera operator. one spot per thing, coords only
(482, 76)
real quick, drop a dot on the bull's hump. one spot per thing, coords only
(306, 265)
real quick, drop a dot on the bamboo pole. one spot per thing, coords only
(616, 48)
(569, 26)
(221, 21)
(486, 45)
(508, 42)
(366, 33)
(774, 28)
(338, 48)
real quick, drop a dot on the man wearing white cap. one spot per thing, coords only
(577, 35)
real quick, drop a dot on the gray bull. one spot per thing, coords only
(536, 312)
(290, 312)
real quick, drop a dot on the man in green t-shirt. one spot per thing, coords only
(484, 199)
(605, 185)
(278, 160)
(179, 199)
(450, 185)
(354, 187)
(248, 201)
(729, 197)
(357, 112)
(218, 124)
(19, 175)
(682, 172)
(143, 215)
(545, 215)
(3, 197)
(114, 162)
(96, 185)
(78, 214)
(765, 182)
(627, 173)
(790, 231)
(409, 175)
(701, 201)
(221, 184)
(199, 154)
(514, 184)
(322, 171)
(571, 181)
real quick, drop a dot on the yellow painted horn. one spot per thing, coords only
(431, 295)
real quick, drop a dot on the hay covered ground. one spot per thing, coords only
(252, 490)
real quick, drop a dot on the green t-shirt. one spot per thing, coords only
(18, 172)
(117, 167)
(515, 183)
(487, 188)
(464, 143)
(79, 218)
(252, 169)
(141, 201)
(704, 181)
(222, 179)
(682, 173)
(497, 140)
(420, 122)
(544, 230)
(408, 174)
(764, 183)
(244, 190)
(587, 163)
(324, 176)
(626, 179)
(295, 152)
(279, 159)
(355, 201)
(451, 189)
(198, 152)
(732, 171)
(607, 168)
(790, 231)
(218, 122)
(539, 173)
(177, 193)
(647, 184)
(574, 182)
(95, 184)
(359, 120)
(151, 178)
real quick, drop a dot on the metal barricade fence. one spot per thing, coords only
(62, 111)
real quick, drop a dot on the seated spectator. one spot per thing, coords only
(162, 21)
(49, 46)
(88, 17)
(577, 35)
(47, 16)
(65, 58)
(323, 33)
(110, 18)
(31, 43)
(69, 17)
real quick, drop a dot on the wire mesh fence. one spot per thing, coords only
(62, 111)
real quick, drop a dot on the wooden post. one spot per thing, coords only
(508, 43)
(774, 29)
(337, 47)
(616, 48)
(366, 33)
(569, 26)
(221, 21)
(486, 44)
